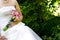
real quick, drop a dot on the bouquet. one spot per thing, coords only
(15, 15)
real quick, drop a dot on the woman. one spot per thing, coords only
(16, 30)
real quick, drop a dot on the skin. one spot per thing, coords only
(3, 38)
(16, 5)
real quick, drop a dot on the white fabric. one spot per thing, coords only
(19, 31)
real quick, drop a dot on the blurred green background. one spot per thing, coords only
(43, 16)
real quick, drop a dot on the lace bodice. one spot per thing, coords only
(5, 15)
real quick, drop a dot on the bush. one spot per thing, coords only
(37, 15)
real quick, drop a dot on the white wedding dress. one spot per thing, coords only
(19, 31)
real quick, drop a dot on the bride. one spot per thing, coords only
(14, 29)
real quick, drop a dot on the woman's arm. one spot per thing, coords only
(18, 10)
(17, 7)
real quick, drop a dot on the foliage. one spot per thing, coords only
(39, 15)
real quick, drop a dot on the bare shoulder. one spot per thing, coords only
(13, 1)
